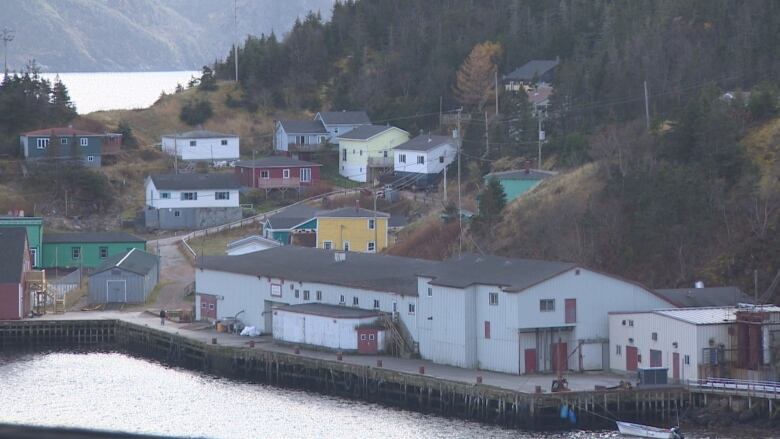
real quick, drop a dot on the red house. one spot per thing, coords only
(15, 264)
(277, 172)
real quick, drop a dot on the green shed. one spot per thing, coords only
(34, 226)
(516, 183)
(86, 249)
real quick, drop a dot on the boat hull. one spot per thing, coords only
(638, 430)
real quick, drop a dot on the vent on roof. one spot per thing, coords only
(699, 284)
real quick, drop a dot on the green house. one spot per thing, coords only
(34, 226)
(87, 249)
(516, 183)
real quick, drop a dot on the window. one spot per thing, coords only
(34, 256)
(319, 295)
(342, 300)
(222, 195)
(189, 196)
(83, 141)
(75, 252)
(411, 308)
(297, 294)
(305, 175)
(335, 130)
(63, 140)
(655, 358)
(487, 329)
(285, 173)
(103, 252)
(430, 292)
(630, 323)
(344, 155)
(360, 152)
(371, 224)
(420, 159)
(371, 246)
(42, 142)
(165, 195)
(493, 298)
(401, 158)
(193, 142)
(306, 295)
(371, 337)
(654, 336)
(327, 245)
(547, 305)
(441, 159)
(264, 174)
(223, 142)
(570, 308)
(618, 349)
(346, 246)
(276, 290)
(91, 158)
(362, 337)
(376, 303)
(355, 301)
(687, 359)
(176, 213)
(204, 305)
(211, 306)
(353, 151)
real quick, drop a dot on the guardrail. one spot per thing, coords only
(726, 386)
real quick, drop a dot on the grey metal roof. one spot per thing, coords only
(89, 237)
(351, 212)
(704, 297)
(303, 127)
(511, 274)
(276, 161)
(532, 69)
(397, 221)
(425, 142)
(200, 134)
(291, 216)
(359, 270)
(713, 315)
(135, 261)
(12, 250)
(345, 117)
(253, 238)
(521, 174)
(332, 311)
(365, 132)
(195, 181)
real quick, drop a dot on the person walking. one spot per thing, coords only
(162, 317)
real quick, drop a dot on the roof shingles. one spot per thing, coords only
(195, 181)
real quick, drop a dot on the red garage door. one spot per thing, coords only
(632, 358)
(560, 357)
(530, 361)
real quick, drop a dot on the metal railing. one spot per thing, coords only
(380, 162)
(727, 386)
(273, 183)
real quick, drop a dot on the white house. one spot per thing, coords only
(338, 123)
(333, 327)
(521, 316)
(202, 145)
(191, 201)
(250, 244)
(692, 343)
(420, 161)
(299, 136)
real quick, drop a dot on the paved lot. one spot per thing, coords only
(524, 383)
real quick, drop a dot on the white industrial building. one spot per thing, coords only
(508, 315)
(202, 145)
(692, 343)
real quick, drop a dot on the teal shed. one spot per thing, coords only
(518, 182)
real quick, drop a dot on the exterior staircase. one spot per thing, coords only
(400, 342)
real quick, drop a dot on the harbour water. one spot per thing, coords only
(119, 90)
(111, 391)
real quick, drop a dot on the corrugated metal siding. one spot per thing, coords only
(137, 286)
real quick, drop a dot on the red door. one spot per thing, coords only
(208, 306)
(367, 340)
(632, 358)
(676, 366)
(571, 310)
(560, 356)
(530, 361)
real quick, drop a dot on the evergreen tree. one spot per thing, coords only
(128, 138)
(208, 82)
(492, 201)
(63, 108)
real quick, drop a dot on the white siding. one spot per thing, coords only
(292, 327)
(209, 148)
(446, 320)
(249, 247)
(431, 165)
(206, 198)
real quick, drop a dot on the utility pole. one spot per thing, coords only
(445, 181)
(541, 138)
(66, 203)
(496, 91)
(487, 138)
(460, 213)
(8, 36)
(647, 108)
(441, 98)
(755, 286)
(254, 169)
(176, 153)
(235, 34)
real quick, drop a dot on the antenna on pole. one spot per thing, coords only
(647, 108)
(235, 34)
(460, 210)
(8, 36)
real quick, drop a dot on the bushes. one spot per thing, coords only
(196, 112)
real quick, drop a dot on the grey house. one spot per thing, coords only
(191, 201)
(67, 144)
(124, 278)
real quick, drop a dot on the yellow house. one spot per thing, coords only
(352, 229)
(367, 150)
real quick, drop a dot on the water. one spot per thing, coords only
(110, 391)
(119, 90)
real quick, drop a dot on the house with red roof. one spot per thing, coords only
(69, 144)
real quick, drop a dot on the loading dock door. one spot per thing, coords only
(632, 358)
(116, 291)
(530, 361)
(676, 366)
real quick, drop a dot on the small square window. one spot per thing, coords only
(630, 323)
(362, 337)
(165, 195)
(376, 303)
(264, 174)
(193, 142)
(547, 305)
(654, 336)
(223, 142)
(91, 158)
(493, 298)
(355, 301)
(371, 337)
(371, 247)
(319, 295)
(75, 252)
(42, 143)
(327, 245)
(371, 224)
(211, 306)
(64, 140)
(204, 304)
(411, 308)
(221, 195)
(420, 159)
(401, 158)
(285, 173)
(84, 141)
(305, 294)
(103, 252)
(297, 294)
(441, 159)
(176, 213)
(342, 300)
